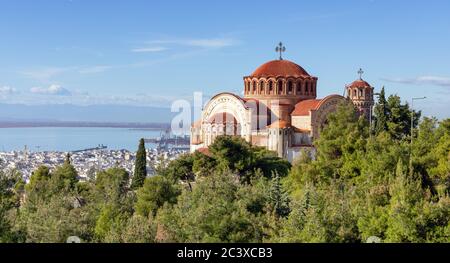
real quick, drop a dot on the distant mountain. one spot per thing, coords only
(92, 113)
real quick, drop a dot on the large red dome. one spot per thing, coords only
(277, 68)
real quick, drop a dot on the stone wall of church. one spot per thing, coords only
(279, 140)
(302, 122)
(260, 140)
(301, 138)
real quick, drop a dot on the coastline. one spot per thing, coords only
(81, 124)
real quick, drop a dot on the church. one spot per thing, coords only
(279, 110)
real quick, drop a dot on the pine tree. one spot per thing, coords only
(8, 202)
(140, 167)
(279, 197)
(399, 118)
(380, 113)
(405, 208)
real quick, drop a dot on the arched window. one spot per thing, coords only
(360, 92)
(289, 87)
(355, 94)
(254, 86)
(270, 87)
(280, 87)
(299, 87)
(262, 85)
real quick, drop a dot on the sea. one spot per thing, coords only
(66, 139)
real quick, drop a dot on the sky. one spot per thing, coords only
(150, 53)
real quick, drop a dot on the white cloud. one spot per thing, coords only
(211, 43)
(45, 74)
(52, 90)
(422, 80)
(149, 49)
(191, 42)
(6, 90)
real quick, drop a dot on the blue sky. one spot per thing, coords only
(134, 52)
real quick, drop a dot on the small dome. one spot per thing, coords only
(359, 84)
(277, 68)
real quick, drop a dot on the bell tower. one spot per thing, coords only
(361, 94)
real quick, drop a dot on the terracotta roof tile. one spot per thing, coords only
(276, 68)
(205, 151)
(359, 84)
(303, 107)
(279, 124)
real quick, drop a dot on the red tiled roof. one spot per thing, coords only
(279, 124)
(276, 68)
(205, 151)
(303, 107)
(359, 84)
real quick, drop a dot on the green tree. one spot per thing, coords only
(431, 155)
(65, 176)
(380, 113)
(341, 143)
(42, 173)
(52, 210)
(54, 219)
(268, 163)
(140, 166)
(405, 207)
(139, 229)
(112, 205)
(9, 203)
(203, 165)
(322, 214)
(112, 185)
(110, 224)
(399, 118)
(231, 153)
(278, 197)
(234, 154)
(156, 191)
(212, 212)
(44, 184)
(180, 169)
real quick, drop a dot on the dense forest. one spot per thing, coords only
(362, 182)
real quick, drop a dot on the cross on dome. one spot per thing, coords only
(360, 72)
(280, 48)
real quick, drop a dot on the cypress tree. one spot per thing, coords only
(140, 167)
(67, 160)
(380, 113)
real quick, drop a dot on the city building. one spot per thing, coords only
(279, 110)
